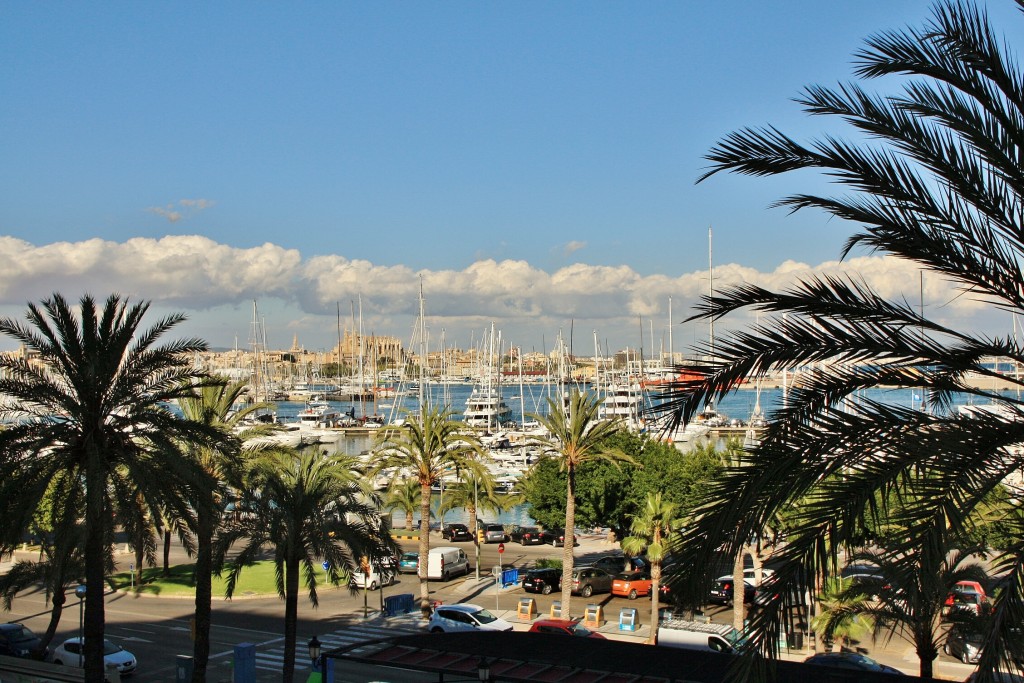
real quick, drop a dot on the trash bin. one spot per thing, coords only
(796, 640)
(183, 668)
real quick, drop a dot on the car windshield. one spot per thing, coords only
(19, 634)
(579, 629)
(109, 648)
(629, 576)
(410, 557)
(484, 617)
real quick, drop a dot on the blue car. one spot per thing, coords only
(409, 563)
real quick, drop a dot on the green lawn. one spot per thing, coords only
(255, 580)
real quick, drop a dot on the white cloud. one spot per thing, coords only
(211, 281)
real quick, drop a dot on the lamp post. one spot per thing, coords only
(314, 653)
(476, 508)
(80, 593)
(483, 670)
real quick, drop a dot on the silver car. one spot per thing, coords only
(495, 533)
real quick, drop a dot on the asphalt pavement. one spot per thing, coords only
(157, 630)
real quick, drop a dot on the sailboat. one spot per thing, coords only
(485, 407)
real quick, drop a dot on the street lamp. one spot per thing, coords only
(483, 670)
(80, 592)
(314, 653)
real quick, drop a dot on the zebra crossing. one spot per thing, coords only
(270, 657)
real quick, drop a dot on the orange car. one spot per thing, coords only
(632, 584)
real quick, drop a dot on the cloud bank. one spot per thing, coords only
(206, 279)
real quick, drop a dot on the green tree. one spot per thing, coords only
(475, 493)
(843, 615)
(934, 178)
(651, 531)
(223, 460)
(425, 447)
(96, 390)
(576, 436)
(404, 495)
(309, 507)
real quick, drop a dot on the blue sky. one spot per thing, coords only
(531, 163)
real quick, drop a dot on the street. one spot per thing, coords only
(157, 629)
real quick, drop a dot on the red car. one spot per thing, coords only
(563, 627)
(632, 584)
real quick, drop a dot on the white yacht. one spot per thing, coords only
(486, 409)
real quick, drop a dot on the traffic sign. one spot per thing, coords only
(326, 565)
(501, 548)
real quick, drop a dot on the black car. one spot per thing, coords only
(721, 592)
(17, 640)
(613, 564)
(556, 537)
(963, 644)
(526, 535)
(456, 532)
(542, 581)
(850, 661)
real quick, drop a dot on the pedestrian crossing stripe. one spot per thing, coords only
(272, 659)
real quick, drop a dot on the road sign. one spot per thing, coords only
(501, 548)
(326, 565)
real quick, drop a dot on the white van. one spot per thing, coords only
(445, 562)
(383, 574)
(696, 635)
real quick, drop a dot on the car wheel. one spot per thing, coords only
(522, 541)
(58, 662)
(445, 576)
(587, 591)
(437, 629)
(945, 649)
(554, 543)
(546, 590)
(373, 585)
(964, 658)
(632, 594)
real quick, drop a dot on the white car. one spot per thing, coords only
(378, 577)
(69, 653)
(465, 617)
(749, 576)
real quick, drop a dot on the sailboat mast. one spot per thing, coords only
(711, 293)
(423, 360)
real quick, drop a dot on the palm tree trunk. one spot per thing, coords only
(167, 551)
(655, 591)
(408, 519)
(568, 545)
(739, 590)
(57, 608)
(204, 596)
(291, 616)
(424, 548)
(95, 561)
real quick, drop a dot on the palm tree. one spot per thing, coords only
(576, 436)
(934, 178)
(425, 448)
(474, 493)
(224, 461)
(95, 388)
(309, 507)
(404, 495)
(843, 614)
(651, 531)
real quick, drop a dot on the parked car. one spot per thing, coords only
(565, 627)
(526, 535)
(613, 564)
(384, 574)
(556, 537)
(722, 594)
(589, 580)
(456, 532)
(69, 653)
(17, 640)
(968, 596)
(465, 617)
(409, 563)
(851, 661)
(963, 644)
(632, 584)
(495, 533)
(542, 580)
(750, 576)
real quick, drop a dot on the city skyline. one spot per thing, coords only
(528, 164)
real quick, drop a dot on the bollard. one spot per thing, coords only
(593, 616)
(183, 669)
(627, 619)
(556, 609)
(245, 663)
(527, 609)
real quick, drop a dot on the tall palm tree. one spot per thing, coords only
(651, 531)
(309, 507)
(426, 447)
(213, 405)
(932, 176)
(576, 436)
(404, 495)
(96, 387)
(474, 493)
